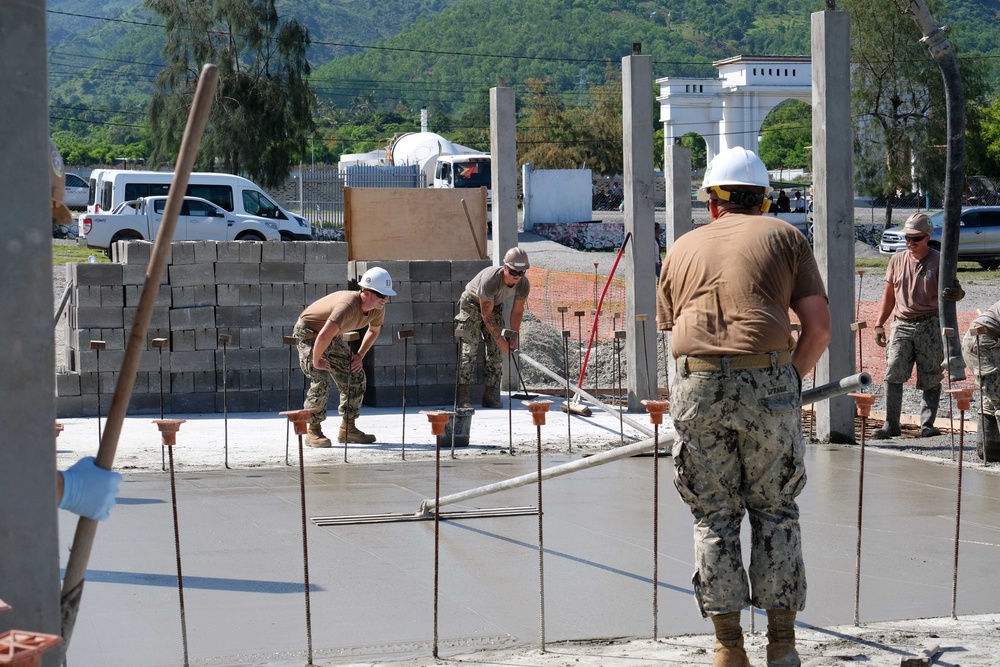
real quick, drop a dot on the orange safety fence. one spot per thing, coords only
(580, 292)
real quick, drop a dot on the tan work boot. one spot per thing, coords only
(491, 397)
(729, 641)
(781, 639)
(463, 396)
(350, 433)
(315, 437)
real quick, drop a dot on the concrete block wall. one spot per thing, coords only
(426, 302)
(250, 290)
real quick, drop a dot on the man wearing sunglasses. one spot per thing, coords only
(323, 352)
(911, 297)
(480, 314)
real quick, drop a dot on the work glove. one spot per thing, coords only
(88, 490)
(955, 293)
(880, 338)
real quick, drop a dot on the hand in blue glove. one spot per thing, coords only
(88, 490)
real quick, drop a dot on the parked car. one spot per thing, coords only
(77, 190)
(978, 240)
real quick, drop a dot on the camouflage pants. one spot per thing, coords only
(915, 341)
(471, 318)
(339, 357)
(740, 450)
(982, 355)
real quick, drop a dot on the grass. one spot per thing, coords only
(965, 269)
(64, 254)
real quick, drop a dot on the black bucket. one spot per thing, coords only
(462, 422)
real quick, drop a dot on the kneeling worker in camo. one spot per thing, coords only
(323, 352)
(481, 314)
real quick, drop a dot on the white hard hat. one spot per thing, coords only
(517, 259)
(735, 166)
(377, 280)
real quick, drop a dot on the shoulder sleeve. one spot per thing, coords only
(522, 289)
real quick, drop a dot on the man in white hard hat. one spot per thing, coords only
(736, 400)
(480, 314)
(911, 296)
(323, 352)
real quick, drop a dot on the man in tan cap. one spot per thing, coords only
(911, 297)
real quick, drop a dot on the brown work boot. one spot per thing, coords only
(491, 397)
(315, 437)
(350, 433)
(463, 396)
(729, 641)
(781, 639)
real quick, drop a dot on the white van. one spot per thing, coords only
(235, 194)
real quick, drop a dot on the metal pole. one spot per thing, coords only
(569, 414)
(620, 336)
(159, 344)
(225, 339)
(538, 410)
(979, 330)
(97, 346)
(964, 398)
(460, 335)
(405, 335)
(289, 341)
(168, 433)
(645, 352)
(579, 328)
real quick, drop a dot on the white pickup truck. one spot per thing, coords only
(199, 220)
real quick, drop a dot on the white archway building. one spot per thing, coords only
(728, 111)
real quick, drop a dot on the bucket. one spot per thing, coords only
(462, 424)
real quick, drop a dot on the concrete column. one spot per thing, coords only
(833, 205)
(503, 148)
(640, 256)
(29, 559)
(677, 172)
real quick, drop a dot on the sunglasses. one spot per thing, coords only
(513, 273)
(377, 295)
(916, 239)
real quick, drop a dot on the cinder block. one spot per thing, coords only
(148, 404)
(249, 379)
(357, 267)
(228, 252)
(434, 394)
(446, 373)
(183, 340)
(69, 406)
(443, 332)
(295, 251)
(420, 292)
(181, 383)
(88, 296)
(234, 332)
(276, 401)
(204, 381)
(159, 318)
(207, 339)
(404, 291)
(192, 296)
(283, 273)
(141, 383)
(272, 252)
(291, 295)
(205, 252)
(433, 312)
(316, 252)
(271, 337)
(236, 273)
(182, 253)
(380, 397)
(227, 295)
(249, 251)
(272, 379)
(462, 271)
(238, 359)
(109, 361)
(443, 292)
(249, 295)
(391, 355)
(192, 403)
(250, 338)
(67, 384)
(194, 318)
(191, 362)
(398, 269)
(277, 358)
(96, 274)
(430, 270)
(435, 353)
(98, 318)
(279, 316)
(114, 338)
(315, 292)
(88, 381)
(136, 252)
(382, 376)
(133, 294)
(239, 401)
(237, 317)
(398, 314)
(191, 274)
(336, 253)
(273, 295)
(324, 273)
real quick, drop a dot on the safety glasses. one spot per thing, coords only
(915, 239)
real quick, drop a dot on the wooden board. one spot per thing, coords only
(408, 224)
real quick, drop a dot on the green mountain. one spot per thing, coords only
(104, 54)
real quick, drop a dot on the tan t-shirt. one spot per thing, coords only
(915, 283)
(343, 308)
(489, 286)
(726, 288)
(990, 318)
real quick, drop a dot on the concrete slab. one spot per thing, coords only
(372, 585)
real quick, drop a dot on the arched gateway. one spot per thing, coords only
(728, 111)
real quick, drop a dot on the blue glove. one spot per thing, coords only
(88, 490)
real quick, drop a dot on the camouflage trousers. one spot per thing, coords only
(740, 450)
(982, 356)
(915, 341)
(339, 356)
(471, 318)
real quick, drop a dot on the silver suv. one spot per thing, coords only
(978, 241)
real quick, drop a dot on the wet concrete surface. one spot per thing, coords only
(372, 585)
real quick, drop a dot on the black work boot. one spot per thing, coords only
(990, 438)
(928, 412)
(893, 406)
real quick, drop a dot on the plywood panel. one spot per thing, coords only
(407, 224)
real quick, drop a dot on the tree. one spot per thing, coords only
(787, 133)
(262, 112)
(548, 137)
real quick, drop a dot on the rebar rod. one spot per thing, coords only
(177, 552)
(958, 518)
(305, 552)
(861, 495)
(541, 544)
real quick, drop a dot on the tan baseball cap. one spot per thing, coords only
(917, 224)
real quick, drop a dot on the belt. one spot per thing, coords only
(736, 362)
(918, 319)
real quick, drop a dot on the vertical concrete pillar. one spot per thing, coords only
(29, 559)
(677, 172)
(833, 205)
(640, 256)
(503, 148)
